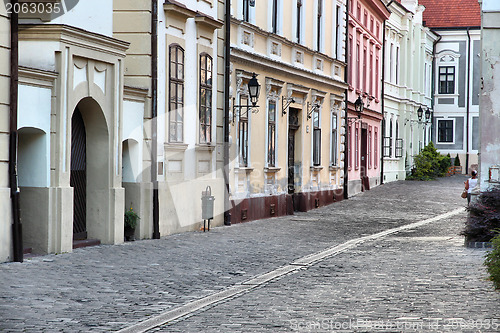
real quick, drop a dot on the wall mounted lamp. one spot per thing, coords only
(253, 92)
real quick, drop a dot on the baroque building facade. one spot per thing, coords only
(407, 87)
(456, 86)
(365, 54)
(286, 153)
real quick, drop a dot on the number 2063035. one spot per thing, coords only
(33, 8)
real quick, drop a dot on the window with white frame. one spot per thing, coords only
(319, 25)
(246, 10)
(333, 143)
(271, 133)
(316, 138)
(356, 147)
(243, 132)
(445, 130)
(397, 65)
(275, 17)
(375, 148)
(205, 111)
(300, 14)
(370, 147)
(176, 93)
(338, 28)
(447, 79)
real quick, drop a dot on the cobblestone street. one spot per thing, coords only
(415, 278)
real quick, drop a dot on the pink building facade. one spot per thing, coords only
(365, 57)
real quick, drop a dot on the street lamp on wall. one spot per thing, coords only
(428, 115)
(359, 106)
(253, 92)
(420, 113)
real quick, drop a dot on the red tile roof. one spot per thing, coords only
(451, 13)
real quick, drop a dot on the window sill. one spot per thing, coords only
(271, 169)
(243, 169)
(334, 167)
(316, 167)
(205, 147)
(176, 146)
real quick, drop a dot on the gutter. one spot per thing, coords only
(17, 235)
(382, 130)
(468, 104)
(154, 115)
(433, 80)
(346, 131)
(227, 70)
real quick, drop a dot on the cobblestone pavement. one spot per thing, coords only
(417, 277)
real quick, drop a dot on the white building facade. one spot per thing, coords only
(407, 87)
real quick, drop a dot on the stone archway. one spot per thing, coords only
(97, 169)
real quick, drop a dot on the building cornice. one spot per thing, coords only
(258, 60)
(73, 36)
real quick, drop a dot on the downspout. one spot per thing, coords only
(17, 235)
(433, 81)
(154, 114)
(346, 131)
(227, 69)
(383, 102)
(468, 104)
(382, 130)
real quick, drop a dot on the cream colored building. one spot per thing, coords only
(190, 109)
(70, 119)
(407, 87)
(5, 202)
(286, 153)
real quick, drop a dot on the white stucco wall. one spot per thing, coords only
(133, 114)
(34, 139)
(90, 15)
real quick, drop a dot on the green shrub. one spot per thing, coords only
(429, 164)
(492, 261)
(131, 219)
(457, 161)
(484, 217)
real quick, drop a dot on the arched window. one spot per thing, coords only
(205, 108)
(176, 93)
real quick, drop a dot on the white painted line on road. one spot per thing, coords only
(244, 287)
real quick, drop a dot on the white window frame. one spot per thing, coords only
(437, 131)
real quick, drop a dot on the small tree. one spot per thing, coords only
(457, 161)
(429, 164)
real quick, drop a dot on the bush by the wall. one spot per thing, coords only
(429, 164)
(457, 161)
(492, 261)
(484, 217)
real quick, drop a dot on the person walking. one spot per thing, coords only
(470, 184)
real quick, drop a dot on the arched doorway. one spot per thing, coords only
(78, 176)
(90, 172)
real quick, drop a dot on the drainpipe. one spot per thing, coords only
(383, 105)
(468, 104)
(346, 132)
(17, 235)
(154, 114)
(227, 64)
(433, 80)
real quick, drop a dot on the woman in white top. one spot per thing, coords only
(470, 184)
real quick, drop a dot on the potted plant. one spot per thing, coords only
(130, 223)
(457, 165)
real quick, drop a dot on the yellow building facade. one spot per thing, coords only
(286, 153)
